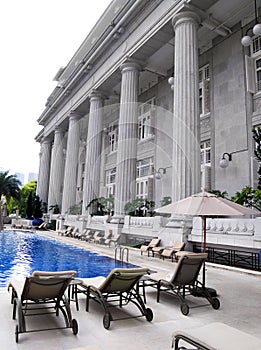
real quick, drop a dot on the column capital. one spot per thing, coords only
(186, 16)
(97, 95)
(58, 129)
(46, 140)
(75, 115)
(130, 65)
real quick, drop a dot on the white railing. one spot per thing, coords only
(141, 221)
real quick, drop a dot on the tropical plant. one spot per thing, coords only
(108, 205)
(9, 188)
(75, 209)
(139, 207)
(101, 206)
(21, 205)
(165, 201)
(248, 197)
(55, 208)
(223, 194)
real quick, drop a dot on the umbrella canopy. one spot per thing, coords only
(206, 204)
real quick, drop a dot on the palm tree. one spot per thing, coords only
(9, 187)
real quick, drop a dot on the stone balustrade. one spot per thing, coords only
(238, 232)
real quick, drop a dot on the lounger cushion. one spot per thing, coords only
(153, 243)
(93, 281)
(157, 249)
(166, 276)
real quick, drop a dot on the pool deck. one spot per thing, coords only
(239, 292)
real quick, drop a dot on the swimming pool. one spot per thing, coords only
(21, 253)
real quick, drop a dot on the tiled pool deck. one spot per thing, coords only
(239, 293)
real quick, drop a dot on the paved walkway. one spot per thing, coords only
(239, 293)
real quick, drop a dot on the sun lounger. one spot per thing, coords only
(114, 239)
(85, 234)
(183, 281)
(101, 240)
(73, 233)
(215, 336)
(65, 232)
(38, 295)
(94, 237)
(169, 252)
(42, 226)
(148, 248)
(77, 234)
(119, 288)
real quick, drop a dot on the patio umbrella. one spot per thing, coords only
(206, 204)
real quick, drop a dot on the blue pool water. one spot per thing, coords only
(21, 253)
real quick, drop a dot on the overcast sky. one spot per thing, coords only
(37, 38)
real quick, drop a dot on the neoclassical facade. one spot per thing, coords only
(156, 95)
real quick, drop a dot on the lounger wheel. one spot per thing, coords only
(184, 309)
(16, 333)
(106, 321)
(149, 315)
(74, 326)
(215, 303)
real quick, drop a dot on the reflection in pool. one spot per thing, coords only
(21, 253)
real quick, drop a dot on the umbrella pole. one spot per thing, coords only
(204, 248)
(204, 233)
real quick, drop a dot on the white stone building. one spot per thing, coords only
(116, 125)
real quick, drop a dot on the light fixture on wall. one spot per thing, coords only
(160, 172)
(256, 30)
(171, 82)
(226, 158)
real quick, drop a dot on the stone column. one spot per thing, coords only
(93, 150)
(186, 141)
(44, 170)
(57, 169)
(71, 161)
(125, 190)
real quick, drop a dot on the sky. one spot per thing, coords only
(37, 38)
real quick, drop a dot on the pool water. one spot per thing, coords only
(21, 253)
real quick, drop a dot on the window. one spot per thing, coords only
(144, 181)
(146, 111)
(205, 152)
(256, 45)
(142, 189)
(204, 91)
(258, 74)
(145, 167)
(253, 66)
(144, 127)
(110, 182)
(113, 138)
(205, 160)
